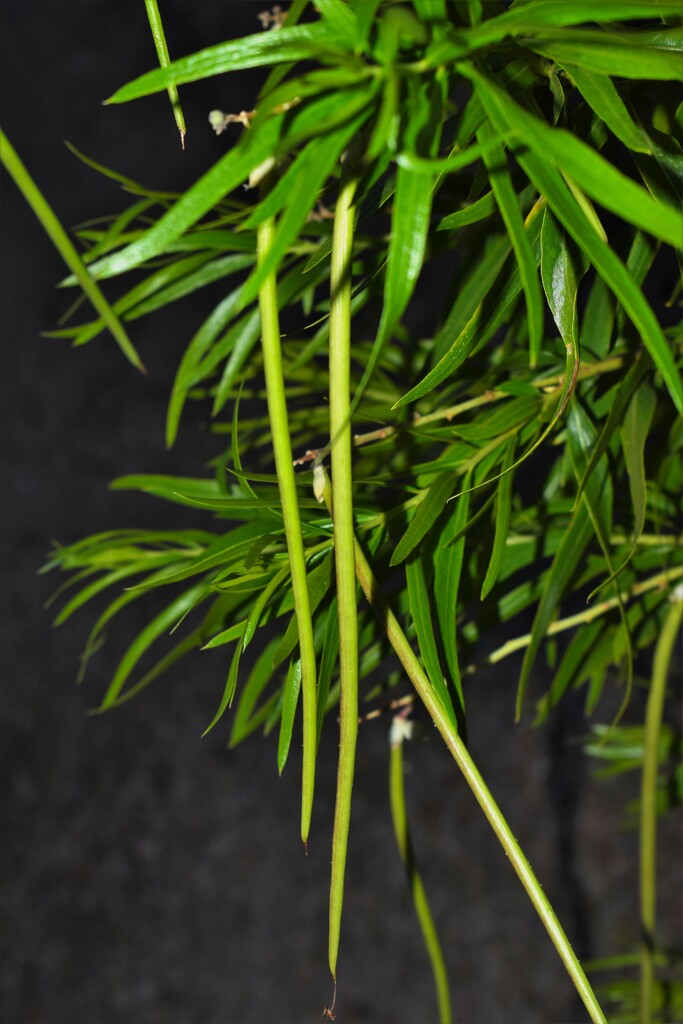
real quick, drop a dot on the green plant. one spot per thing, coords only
(474, 140)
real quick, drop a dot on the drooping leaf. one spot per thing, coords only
(298, 42)
(503, 508)
(427, 513)
(508, 203)
(290, 699)
(602, 95)
(421, 614)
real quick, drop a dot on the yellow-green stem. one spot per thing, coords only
(648, 801)
(397, 799)
(282, 449)
(455, 744)
(159, 36)
(344, 540)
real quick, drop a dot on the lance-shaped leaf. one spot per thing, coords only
(591, 171)
(298, 42)
(428, 512)
(561, 271)
(36, 200)
(448, 562)
(605, 260)
(163, 623)
(409, 219)
(602, 96)
(290, 699)
(503, 507)
(631, 55)
(246, 718)
(421, 614)
(508, 203)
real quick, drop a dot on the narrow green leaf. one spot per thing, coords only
(622, 397)
(448, 561)
(60, 239)
(319, 582)
(503, 508)
(624, 56)
(569, 668)
(606, 262)
(230, 171)
(163, 623)
(341, 20)
(566, 562)
(427, 513)
(597, 176)
(508, 203)
(157, 27)
(290, 699)
(246, 720)
(421, 614)
(470, 214)
(298, 42)
(230, 688)
(409, 221)
(561, 271)
(602, 96)
(634, 434)
(262, 602)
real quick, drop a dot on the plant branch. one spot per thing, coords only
(455, 744)
(397, 799)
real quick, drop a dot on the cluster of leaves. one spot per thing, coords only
(525, 158)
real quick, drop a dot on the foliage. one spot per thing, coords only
(516, 439)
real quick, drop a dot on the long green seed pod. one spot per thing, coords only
(648, 799)
(282, 449)
(344, 539)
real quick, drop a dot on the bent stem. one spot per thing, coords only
(344, 541)
(397, 799)
(439, 716)
(282, 449)
(648, 801)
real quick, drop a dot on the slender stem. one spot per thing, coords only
(455, 744)
(157, 27)
(282, 448)
(518, 643)
(648, 801)
(344, 540)
(62, 242)
(397, 799)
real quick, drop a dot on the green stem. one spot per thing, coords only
(648, 802)
(397, 799)
(455, 744)
(61, 240)
(157, 27)
(344, 541)
(282, 449)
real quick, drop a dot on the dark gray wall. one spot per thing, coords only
(151, 876)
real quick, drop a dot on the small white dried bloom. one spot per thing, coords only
(273, 19)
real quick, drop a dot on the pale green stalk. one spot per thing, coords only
(62, 242)
(344, 541)
(282, 449)
(157, 27)
(455, 744)
(397, 799)
(648, 801)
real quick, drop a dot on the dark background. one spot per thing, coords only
(149, 875)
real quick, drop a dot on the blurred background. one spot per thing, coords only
(152, 876)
